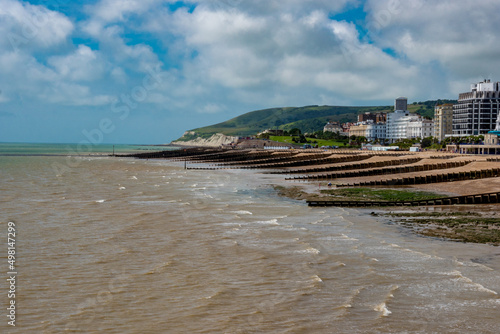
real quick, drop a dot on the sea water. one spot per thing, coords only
(120, 245)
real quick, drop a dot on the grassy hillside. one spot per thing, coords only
(307, 119)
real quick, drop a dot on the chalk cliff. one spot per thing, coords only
(215, 140)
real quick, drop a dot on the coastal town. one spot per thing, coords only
(469, 125)
(475, 115)
(381, 174)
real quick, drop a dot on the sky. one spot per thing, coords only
(145, 71)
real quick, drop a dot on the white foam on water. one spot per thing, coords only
(229, 224)
(346, 237)
(458, 277)
(427, 256)
(122, 188)
(242, 212)
(382, 308)
(196, 189)
(100, 201)
(268, 222)
(316, 278)
(309, 250)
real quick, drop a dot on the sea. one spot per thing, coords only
(121, 245)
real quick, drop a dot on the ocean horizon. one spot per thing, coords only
(7, 148)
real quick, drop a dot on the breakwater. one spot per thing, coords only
(349, 169)
(489, 198)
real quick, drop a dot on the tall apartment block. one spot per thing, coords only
(397, 121)
(477, 110)
(443, 121)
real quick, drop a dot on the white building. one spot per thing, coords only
(402, 125)
(369, 129)
(396, 124)
(375, 131)
(419, 128)
(333, 127)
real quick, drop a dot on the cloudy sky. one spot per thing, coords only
(144, 71)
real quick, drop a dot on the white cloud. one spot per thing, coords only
(461, 36)
(271, 7)
(118, 10)
(82, 65)
(73, 95)
(28, 26)
(224, 57)
(134, 58)
(285, 52)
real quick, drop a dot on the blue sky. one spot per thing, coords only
(144, 71)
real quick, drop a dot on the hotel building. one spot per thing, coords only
(477, 110)
(398, 120)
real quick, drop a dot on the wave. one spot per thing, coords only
(458, 277)
(242, 212)
(382, 308)
(309, 250)
(268, 222)
(317, 279)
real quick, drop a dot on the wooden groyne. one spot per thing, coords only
(449, 156)
(425, 179)
(489, 198)
(172, 154)
(358, 172)
(362, 168)
(355, 166)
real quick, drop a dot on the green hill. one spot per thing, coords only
(307, 119)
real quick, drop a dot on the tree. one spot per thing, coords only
(426, 142)
(264, 136)
(295, 132)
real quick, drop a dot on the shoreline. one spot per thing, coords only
(459, 223)
(351, 176)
